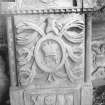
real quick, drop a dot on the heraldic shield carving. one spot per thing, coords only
(50, 49)
(49, 44)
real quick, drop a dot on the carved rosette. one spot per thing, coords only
(50, 48)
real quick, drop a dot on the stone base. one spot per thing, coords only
(63, 96)
(16, 96)
(59, 96)
(87, 94)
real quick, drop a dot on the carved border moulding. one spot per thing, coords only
(45, 11)
(60, 96)
(12, 63)
(50, 49)
(47, 6)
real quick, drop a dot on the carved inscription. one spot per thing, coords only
(50, 48)
(51, 99)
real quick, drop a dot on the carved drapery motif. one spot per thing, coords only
(50, 48)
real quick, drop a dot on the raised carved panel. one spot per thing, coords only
(51, 99)
(50, 49)
(61, 96)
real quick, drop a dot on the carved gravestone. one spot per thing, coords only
(49, 52)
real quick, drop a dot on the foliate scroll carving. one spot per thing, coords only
(98, 48)
(50, 48)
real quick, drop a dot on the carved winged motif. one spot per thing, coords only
(50, 48)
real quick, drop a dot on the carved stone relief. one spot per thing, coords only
(49, 97)
(51, 100)
(50, 49)
(98, 48)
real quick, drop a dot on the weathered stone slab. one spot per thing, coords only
(50, 49)
(52, 52)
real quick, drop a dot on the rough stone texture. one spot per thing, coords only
(99, 95)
